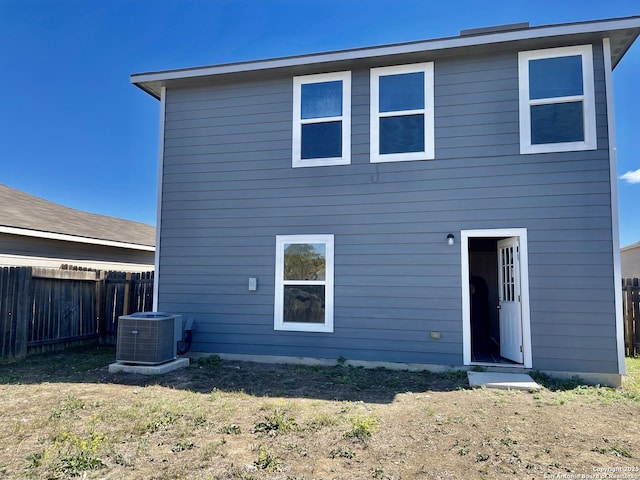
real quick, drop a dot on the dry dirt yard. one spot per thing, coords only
(63, 416)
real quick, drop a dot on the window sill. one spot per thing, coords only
(401, 157)
(304, 327)
(558, 147)
(320, 162)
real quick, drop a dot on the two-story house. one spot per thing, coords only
(449, 202)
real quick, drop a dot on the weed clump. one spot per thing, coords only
(70, 456)
(69, 408)
(211, 361)
(362, 428)
(342, 453)
(277, 422)
(267, 461)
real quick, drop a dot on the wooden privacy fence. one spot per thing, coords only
(631, 313)
(44, 309)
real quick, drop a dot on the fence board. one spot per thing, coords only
(114, 302)
(15, 297)
(5, 318)
(23, 310)
(631, 312)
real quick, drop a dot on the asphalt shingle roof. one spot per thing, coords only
(21, 210)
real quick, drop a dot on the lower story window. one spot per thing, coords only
(304, 283)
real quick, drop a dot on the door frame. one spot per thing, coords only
(521, 233)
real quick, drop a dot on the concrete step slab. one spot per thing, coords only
(503, 381)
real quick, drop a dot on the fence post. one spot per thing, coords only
(127, 293)
(100, 302)
(627, 312)
(635, 306)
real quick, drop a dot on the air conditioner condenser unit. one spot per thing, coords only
(148, 338)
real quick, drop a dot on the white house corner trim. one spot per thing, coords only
(615, 222)
(156, 276)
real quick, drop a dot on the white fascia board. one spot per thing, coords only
(73, 238)
(600, 26)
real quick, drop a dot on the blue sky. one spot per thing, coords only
(76, 132)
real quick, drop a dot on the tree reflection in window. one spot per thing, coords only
(304, 301)
(303, 261)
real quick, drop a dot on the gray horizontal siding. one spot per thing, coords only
(229, 189)
(200, 175)
(383, 180)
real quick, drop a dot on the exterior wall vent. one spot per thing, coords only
(495, 29)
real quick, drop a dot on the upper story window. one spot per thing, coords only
(322, 119)
(304, 283)
(402, 113)
(557, 105)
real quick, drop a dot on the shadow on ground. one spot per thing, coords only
(90, 365)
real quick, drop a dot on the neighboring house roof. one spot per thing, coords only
(24, 214)
(630, 247)
(622, 32)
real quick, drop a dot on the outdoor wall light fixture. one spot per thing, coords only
(450, 239)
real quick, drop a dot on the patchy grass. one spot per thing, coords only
(568, 391)
(632, 379)
(64, 416)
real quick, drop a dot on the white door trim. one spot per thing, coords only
(465, 235)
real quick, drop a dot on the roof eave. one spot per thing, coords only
(74, 238)
(153, 81)
(148, 88)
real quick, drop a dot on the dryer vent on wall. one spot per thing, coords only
(148, 338)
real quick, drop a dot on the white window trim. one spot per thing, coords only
(345, 159)
(429, 151)
(588, 99)
(279, 323)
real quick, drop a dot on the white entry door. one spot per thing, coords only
(509, 299)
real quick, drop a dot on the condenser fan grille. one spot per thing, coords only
(147, 338)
